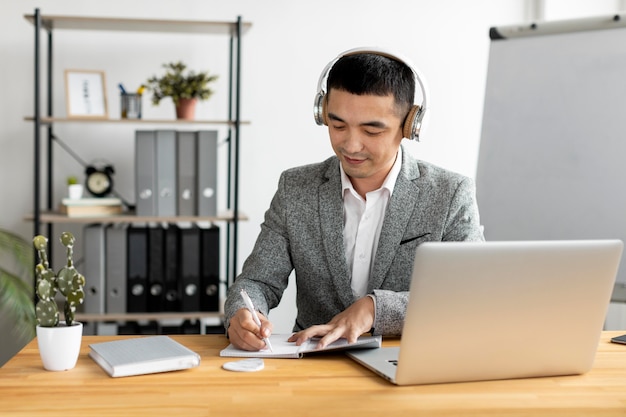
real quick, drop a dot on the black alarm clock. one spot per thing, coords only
(99, 180)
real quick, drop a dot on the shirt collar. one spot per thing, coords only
(390, 180)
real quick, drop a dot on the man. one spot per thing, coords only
(350, 225)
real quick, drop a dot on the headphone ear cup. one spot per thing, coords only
(410, 128)
(319, 109)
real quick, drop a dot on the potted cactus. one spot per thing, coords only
(59, 341)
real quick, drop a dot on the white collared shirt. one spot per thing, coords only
(362, 223)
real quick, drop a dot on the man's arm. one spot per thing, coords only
(264, 276)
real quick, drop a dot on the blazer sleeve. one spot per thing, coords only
(265, 273)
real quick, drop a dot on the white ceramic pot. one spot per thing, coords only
(59, 346)
(75, 191)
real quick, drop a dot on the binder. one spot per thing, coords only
(171, 301)
(155, 269)
(186, 154)
(115, 270)
(166, 198)
(145, 173)
(189, 256)
(207, 173)
(94, 271)
(210, 269)
(137, 255)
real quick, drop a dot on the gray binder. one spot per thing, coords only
(166, 172)
(145, 173)
(94, 245)
(186, 154)
(116, 268)
(207, 173)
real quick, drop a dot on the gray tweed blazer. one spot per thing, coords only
(303, 230)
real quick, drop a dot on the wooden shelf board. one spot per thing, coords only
(50, 120)
(54, 217)
(50, 22)
(149, 316)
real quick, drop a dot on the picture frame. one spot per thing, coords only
(85, 94)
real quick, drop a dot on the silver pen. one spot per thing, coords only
(255, 317)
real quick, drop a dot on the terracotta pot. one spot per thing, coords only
(186, 108)
(59, 346)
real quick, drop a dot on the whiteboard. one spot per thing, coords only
(552, 159)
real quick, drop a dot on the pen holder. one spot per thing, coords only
(131, 106)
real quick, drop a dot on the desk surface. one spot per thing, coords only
(319, 385)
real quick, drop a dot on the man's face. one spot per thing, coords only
(365, 133)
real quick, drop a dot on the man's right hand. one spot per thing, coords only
(245, 334)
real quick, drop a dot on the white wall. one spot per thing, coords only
(283, 54)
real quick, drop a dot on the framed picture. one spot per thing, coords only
(85, 94)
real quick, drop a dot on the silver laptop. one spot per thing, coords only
(499, 310)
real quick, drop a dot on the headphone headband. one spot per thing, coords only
(413, 123)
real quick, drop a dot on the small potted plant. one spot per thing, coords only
(74, 188)
(59, 341)
(185, 89)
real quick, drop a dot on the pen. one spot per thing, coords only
(255, 317)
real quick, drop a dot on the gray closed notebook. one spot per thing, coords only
(143, 355)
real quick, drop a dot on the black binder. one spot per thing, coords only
(171, 301)
(189, 256)
(156, 288)
(210, 269)
(136, 290)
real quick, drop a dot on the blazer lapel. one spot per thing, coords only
(397, 216)
(331, 218)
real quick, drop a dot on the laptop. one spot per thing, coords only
(500, 310)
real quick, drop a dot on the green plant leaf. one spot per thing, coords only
(17, 282)
(176, 84)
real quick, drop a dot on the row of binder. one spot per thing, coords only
(176, 173)
(132, 269)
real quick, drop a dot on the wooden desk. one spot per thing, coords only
(324, 385)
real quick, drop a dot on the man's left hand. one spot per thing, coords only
(350, 324)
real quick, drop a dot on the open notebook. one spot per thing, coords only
(284, 349)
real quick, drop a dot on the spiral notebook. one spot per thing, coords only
(143, 355)
(281, 348)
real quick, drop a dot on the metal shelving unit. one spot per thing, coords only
(43, 212)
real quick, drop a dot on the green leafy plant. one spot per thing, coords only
(177, 84)
(68, 281)
(16, 283)
(71, 180)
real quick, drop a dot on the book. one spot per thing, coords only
(90, 211)
(99, 201)
(143, 355)
(288, 350)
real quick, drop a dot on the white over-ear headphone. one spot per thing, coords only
(413, 122)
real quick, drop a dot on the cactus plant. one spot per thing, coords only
(68, 281)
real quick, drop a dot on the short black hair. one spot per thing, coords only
(374, 74)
